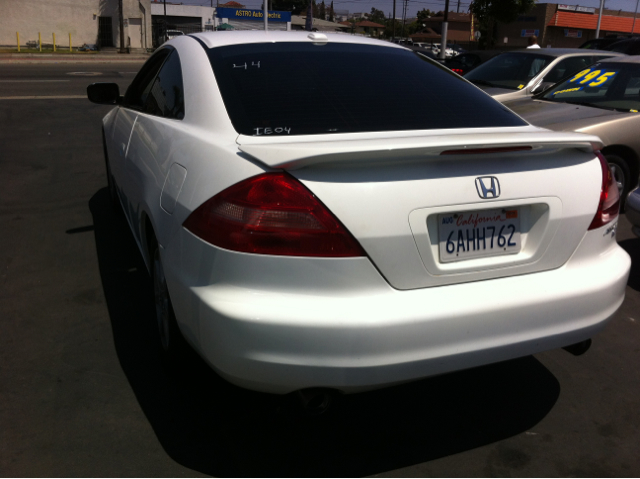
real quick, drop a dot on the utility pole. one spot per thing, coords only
(393, 28)
(121, 15)
(458, 8)
(445, 26)
(265, 12)
(599, 19)
(165, 19)
(634, 17)
(404, 16)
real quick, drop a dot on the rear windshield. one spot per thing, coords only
(509, 70)
(305, 89)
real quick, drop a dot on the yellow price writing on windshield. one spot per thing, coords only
(589, 76)
(597, 76)
(580, 75)
(601, 79)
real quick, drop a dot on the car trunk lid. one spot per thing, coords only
(407, 203)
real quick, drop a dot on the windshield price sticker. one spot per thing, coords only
(477, 234)
(593, 78)
(568, 90)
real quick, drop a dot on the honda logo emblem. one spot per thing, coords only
(488, 187)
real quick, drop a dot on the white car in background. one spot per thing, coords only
(309, 228)
(448, 52)
(174, 33)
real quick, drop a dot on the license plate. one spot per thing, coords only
(476, 234)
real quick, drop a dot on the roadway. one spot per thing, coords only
(82, 392)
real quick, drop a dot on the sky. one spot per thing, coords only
(354, 6)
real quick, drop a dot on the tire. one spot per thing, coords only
(169, 339)
(622, 176)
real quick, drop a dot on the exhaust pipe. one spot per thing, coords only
(315, 401)
(580, 348)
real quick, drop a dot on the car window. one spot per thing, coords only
(301, 88)
(468, 60)
(166, 96)
(590, 45)
(566, 67)
(140, 87)
(510, 70)
(630, 47)
(608, 85)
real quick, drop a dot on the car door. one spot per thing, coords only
(133, 103)
(151, 155)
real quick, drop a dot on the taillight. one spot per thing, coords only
(272, 213)
(457, 70)
(609, 197)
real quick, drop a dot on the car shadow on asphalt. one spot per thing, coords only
(211, 426)
(632, 247)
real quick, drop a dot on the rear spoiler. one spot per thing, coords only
(291, 155)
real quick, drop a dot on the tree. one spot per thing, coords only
(296, 7)
(332, 15)
(488, 12)
(322, 11)
(424, 14)
(377, 16)
(388, 28)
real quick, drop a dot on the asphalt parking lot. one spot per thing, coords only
(82, 392)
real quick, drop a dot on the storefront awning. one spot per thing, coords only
(590, 22)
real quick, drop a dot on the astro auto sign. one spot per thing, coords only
(247, 14)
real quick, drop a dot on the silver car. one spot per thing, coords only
(522, 73)
(633, 210)
(602, 100)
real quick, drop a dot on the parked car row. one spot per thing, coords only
(602, 100)
(465, 62)
(522, 73)
(451, 51)
(582, 90)
(615, 43)
(358, 244)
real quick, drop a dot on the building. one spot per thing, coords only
(76, 22)
(299, 22)
(228, 16)
(563, 26)
(180, 18)
(341, 15)
(458, 31)
(186, 18)
(364, 27)
(247, 19)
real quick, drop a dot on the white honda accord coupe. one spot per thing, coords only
(335, 212)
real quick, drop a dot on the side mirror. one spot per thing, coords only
(104, 93)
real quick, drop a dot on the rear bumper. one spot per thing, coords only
(265, 324)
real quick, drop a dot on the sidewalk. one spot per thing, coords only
(73, 57)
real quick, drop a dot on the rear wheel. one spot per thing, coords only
(170, 340)
(111, 182)
(620, 172)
